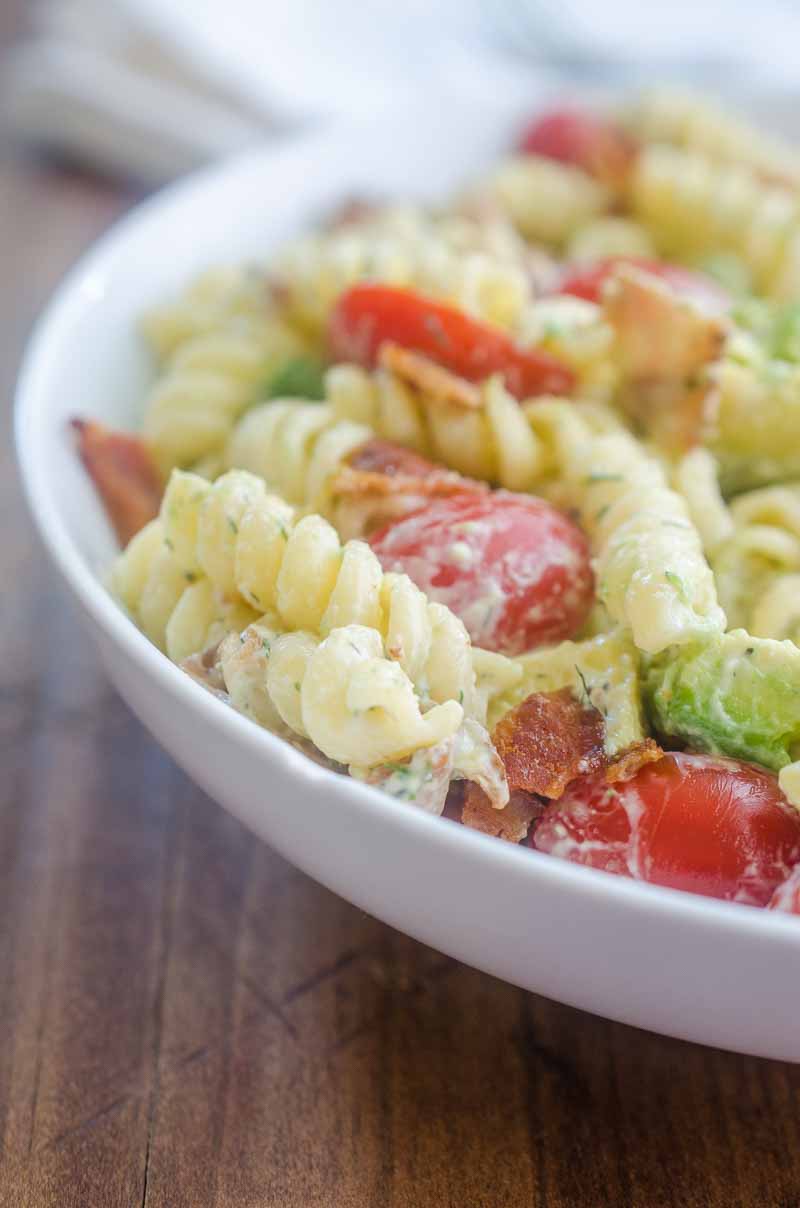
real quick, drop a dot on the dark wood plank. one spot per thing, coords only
(187, 1022)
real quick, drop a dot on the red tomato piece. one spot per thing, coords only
(787, 896)
(588, 281)
(367, 316)
(695, 822)
(512, 567)
(585, 140)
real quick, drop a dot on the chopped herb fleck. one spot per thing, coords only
(232, 525)
(301, 377)
(168, 543)
(600, 477)
(677, 582)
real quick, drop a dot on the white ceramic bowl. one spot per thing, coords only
(722, 974)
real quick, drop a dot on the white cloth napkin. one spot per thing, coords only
(96, 84)
(151, 88)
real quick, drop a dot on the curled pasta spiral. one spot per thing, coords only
(317, 639)
(218, 347)
(548, 201)
(756, 433)
(666, 115)
(693, 207)
(478, 265)
(297, 447)
(758, 567)
(652, 575)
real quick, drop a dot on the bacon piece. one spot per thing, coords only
(124, 474)
(546, 742)
(439, 385)
(511, 823)
(378, 456)
(628, 762)
(382, 481)
(666, 345)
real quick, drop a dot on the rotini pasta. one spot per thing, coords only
(694, 207)
(548, 201)
(666, 115)
(475, 264)
(219, 346)
(652, 575)
(758, 567)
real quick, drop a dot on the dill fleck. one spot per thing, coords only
(189, 576)
(600, 477)
(584, 685)
(677, 582)
(168, 543)
(266, 645)
(232, 525)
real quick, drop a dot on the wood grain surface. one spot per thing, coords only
(187, 1022)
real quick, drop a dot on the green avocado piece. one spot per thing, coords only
(301, 377)
(730, 695)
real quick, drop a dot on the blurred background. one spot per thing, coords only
(147, 89)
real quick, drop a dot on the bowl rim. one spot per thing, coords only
(76, 291)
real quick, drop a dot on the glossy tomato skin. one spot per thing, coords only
(786, 897)
(514, 568)
(695, 822)
(367, 316)
(582, 139)
(588, 281)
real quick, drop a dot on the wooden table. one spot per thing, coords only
(187, 1021)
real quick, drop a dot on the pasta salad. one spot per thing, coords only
(496, 506)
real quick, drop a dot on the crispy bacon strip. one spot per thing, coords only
(382, 481)
(628, 762)
(665, 345)
(439, 385)
(511, 823)
(546, 742)
(124, 474)
(379, 467)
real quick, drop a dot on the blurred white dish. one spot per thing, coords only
(707, 971)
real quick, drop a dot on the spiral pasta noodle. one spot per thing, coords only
(357, 661)
(756, 431)
(548, 201)
(666, 115)
(475, 265)
(218, 347)
(758, 567)
(693, 207)
(652, 576)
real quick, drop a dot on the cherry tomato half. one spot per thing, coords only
(695, 822)
(787, 896)
(585, 140)
(587, 281)
(367, 316)
(512, 567)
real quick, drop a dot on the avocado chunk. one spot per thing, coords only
(730, 695)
